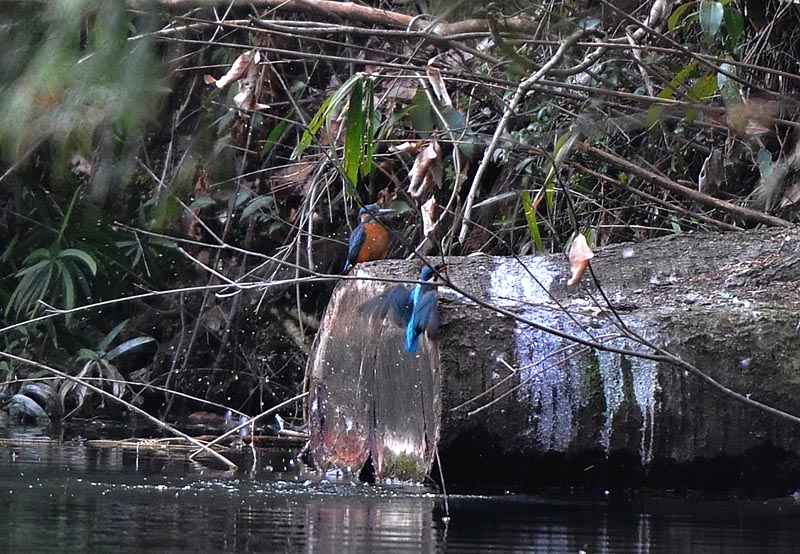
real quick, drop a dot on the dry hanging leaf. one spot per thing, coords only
(407, 147)
(245, 99)
(238, 70)
(426, 171)
(245, 70)
(428, 216)
(579, 256)
(438, 85)
(290, 180)
(712, 174)
(752, 118)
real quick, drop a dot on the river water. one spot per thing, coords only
(75, 497)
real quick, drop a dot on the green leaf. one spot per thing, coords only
(530, 217)
(354, 133)
(313, 128)
(78, 275)
(676, 227)
(256, 204)
(38, 254)
(550, 196)
(202, 202)
(704, 88)
(678, 14)
(734, 24)
(710, 18)
(562, 149)
(324, 114)
(591, 235)
(35, 267)
(81, 255)
(242, 195)
(729, 88)
(456, 122)
(275, 135)
(31, 289)
(127, 346)
(421, 114)
(679, 79)
(655, 111)
(369, 130)
(87, 354)
(67, 216)
(109, 338)
(67, 284)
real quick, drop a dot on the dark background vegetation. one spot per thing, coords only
(205, 233)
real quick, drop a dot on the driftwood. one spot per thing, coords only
(504, 390)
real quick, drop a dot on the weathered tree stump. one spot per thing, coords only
(495, 388)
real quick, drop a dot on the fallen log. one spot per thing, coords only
(540, 380)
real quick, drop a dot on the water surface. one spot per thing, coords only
(76, 497)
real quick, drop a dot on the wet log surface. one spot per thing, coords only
(512, 405)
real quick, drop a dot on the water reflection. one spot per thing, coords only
(76, 498)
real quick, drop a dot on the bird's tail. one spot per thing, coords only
(412, 339)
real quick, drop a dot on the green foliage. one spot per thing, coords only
(97, 364)
(358, 142)
(50, 398)
(260, 207)
(325, 113)
(421, 114)
(360, 127)
(530, 217)
(77, 95)
(712, 17)
(51, 273)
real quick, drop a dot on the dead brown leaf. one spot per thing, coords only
(426, 171)
(579, 256)
(437, 84)
(290, 180)
(237, 70)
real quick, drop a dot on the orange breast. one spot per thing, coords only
(376, 244)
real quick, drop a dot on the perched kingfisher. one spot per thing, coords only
(414, 308)
(370, 240)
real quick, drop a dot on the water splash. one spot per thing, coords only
(645, 387)
(613, 392)
(551, 381)
(559, 385)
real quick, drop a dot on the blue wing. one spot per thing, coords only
(354, 246)
(397, 300)
(424, 319)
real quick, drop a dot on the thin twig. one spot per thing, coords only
(692, 194)
(509, 111)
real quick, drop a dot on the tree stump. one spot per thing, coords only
(497, 390)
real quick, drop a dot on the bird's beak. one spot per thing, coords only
(383, 211)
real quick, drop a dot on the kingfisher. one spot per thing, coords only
(414, 308)
(370, 240)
